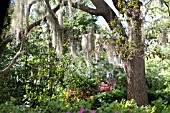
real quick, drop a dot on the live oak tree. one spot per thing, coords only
(129, 42)
(130, 45)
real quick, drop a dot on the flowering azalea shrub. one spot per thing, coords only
(84, 92)
(107, 85)
(76, 93)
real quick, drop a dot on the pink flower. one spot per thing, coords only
(102, 89)
(81, 110)
(92, 111)
(107, 85)
(107, 88)
(116, 111)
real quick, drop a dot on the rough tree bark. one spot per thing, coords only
(136, 81)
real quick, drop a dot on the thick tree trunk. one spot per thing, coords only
(136, 80)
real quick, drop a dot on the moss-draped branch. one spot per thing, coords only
(102, 9)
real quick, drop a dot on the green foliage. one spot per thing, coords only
(41, 82)
(11, 83)
(50, 93)
(107, 97)
(41, 87)
(60, 107)
(80, 22)
(158, 79)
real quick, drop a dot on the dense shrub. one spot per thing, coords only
(158, 79)
(85, 107)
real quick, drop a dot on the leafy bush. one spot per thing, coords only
(158, 79)
(85, 107)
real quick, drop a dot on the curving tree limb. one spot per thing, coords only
(84, 8)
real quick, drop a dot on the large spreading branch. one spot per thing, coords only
(102, 9)
(115, 3)
(84, 8)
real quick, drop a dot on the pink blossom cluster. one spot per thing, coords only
(106, 85)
